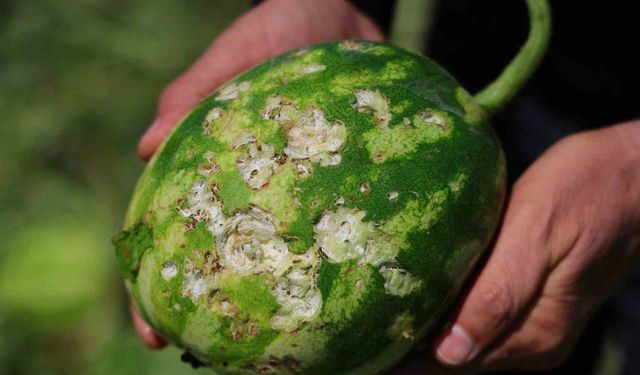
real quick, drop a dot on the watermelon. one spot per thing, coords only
(317, 214)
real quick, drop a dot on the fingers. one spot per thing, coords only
(146, 333)
(267, 30)
(542, 341)
(505, 288)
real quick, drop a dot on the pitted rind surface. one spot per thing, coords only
(310, 136)
(299, 297)
(204, 205)
(232, 90)
(249, 244)
(373, 101)
(314, 138)
(403, 139)
(343, 235)
(258, 164)
(398, 282)
(342, 189)
(169, 270)
(196, 284)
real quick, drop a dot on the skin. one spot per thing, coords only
(570, 231)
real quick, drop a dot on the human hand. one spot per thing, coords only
(269, 29)
(570, 233)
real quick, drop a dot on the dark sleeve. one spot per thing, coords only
(380, 11)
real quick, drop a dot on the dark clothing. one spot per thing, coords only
(589, 78)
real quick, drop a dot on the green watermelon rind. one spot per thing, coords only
(425, 169)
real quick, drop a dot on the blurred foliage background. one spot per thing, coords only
(79, 82)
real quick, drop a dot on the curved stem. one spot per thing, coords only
(502, 90)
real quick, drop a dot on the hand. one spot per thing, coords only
(570, 231)
(269, 29)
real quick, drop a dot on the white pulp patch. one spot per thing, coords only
(247, 243)
(310, 135)
(304, 168)
(213, 115)
(365, 188)
(169, 270)
(279, 109)
(204, 205)
(398, 282)
(312, 68)
(372, 101)
(299, 298)
(250, 244)
(258, 164)
(339, 234)
(431, 118)
(314, 138)
(342, 235)
(244, 138)
(232, 90)
(196, 284)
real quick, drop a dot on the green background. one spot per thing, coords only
(79, 81)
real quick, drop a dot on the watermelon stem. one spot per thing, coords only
(499, 92)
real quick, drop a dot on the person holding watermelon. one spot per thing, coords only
(571, 226)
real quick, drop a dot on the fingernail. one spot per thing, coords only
(456, 348)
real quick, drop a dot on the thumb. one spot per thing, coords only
(504, 289)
